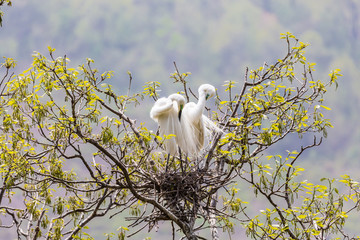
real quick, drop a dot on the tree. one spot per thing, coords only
(55, 117)
(2, 2)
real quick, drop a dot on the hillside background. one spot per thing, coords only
(215, 41)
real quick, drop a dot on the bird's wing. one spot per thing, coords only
(193, 129)
(188, 143)
(161, 106)
(192, 111)
(170, 125)
(200, 131)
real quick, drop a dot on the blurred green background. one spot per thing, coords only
(215, 41)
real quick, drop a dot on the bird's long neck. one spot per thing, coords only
(200, 105)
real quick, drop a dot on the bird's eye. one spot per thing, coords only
(207, 96)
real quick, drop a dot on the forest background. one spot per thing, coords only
(214, 40)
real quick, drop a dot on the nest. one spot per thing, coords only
(187, 194)
(182, 193)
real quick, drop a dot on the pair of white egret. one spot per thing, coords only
(185, 121)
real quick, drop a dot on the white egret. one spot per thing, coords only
(196, 126)
(185, 121)
(166, 112)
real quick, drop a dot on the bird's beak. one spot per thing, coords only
(207, 96)
(179, 114)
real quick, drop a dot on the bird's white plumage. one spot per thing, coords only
(166, 113)
(186, 121)
(196, 126)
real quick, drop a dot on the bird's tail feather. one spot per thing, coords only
(210, 125)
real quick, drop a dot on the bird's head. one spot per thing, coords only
(207, 90)
(180, 101)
